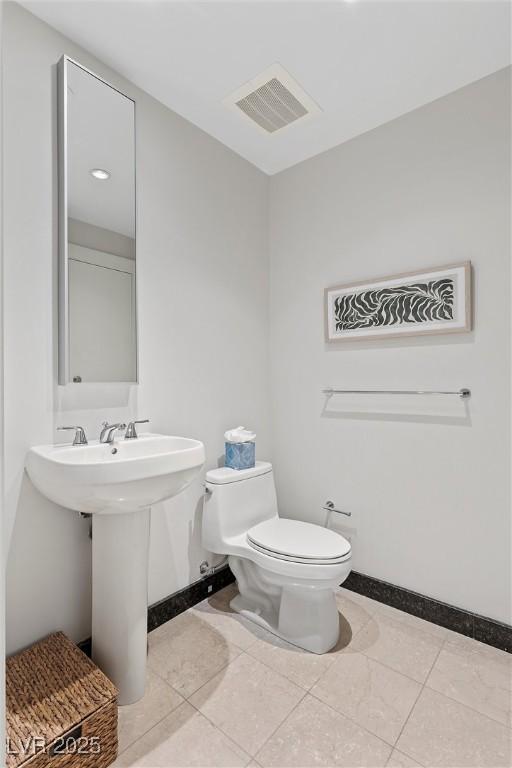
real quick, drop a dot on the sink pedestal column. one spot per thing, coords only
(120, 547)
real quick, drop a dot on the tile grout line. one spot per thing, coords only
(415, 703)
(392, 669)
(133, 743)
(186, 699)
(173, 709)
(221, 669)
(371, 616)
(456, 701)
(459, 703)
(305, 688)
(421, 684)
(408, 621)
(351, 720)
(305, 693)
(354, 722)
(221, 730)
(279, 724)
(217, 672)
(376, 661)
(468, 706)
(404, 618)
(228, 663)
(256, 638)
(398, 672)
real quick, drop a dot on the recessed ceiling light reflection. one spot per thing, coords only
(100, 173)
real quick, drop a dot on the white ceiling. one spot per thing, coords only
(364, 62)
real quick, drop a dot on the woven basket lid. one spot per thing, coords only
(50, 689)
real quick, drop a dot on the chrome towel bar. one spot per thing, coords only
(462, 393)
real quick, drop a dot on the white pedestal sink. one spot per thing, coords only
(118, 484)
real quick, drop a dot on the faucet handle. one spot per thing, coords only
(80, 438)
(131, 432)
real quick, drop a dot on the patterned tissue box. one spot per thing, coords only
(240, 455)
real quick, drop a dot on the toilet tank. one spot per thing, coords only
(234, 501)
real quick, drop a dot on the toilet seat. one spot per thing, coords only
(298, 542)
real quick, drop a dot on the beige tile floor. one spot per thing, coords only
(396, 691)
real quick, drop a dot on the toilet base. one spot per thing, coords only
(302, 613)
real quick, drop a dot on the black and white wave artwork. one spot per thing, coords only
(422, 302)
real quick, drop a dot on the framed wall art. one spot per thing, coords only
(429, 301)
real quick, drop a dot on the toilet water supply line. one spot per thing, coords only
(205, 569)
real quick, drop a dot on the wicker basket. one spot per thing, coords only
(61, 709)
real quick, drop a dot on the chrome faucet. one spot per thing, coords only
(107, 433)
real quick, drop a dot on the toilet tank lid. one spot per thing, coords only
(228, 475)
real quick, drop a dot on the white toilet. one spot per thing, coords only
(286, 570)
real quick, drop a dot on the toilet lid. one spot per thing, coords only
(298, 541)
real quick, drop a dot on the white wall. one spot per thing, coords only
(426, 480)
(202, 287)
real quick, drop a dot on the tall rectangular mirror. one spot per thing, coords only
(97, 243)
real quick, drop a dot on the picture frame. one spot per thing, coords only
(423, 302)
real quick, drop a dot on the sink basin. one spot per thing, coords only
(118, 484)
(128, 476)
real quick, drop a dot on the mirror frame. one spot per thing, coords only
(63, 271)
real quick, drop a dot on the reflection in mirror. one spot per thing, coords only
(97, 291)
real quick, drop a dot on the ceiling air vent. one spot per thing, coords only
(273, 100)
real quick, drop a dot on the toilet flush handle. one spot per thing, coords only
(329, 507)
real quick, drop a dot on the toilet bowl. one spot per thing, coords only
(286, 570)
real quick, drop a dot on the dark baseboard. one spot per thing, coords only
(86, 646)
(470, 624)
(171, 606)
